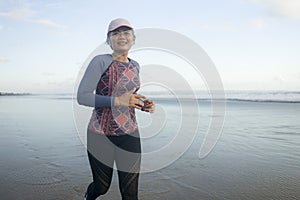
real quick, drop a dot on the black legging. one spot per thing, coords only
(103, 151)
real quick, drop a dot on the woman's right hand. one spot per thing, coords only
(130, 99)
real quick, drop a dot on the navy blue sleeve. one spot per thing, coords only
(86, 90)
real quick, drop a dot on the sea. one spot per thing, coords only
(243, 146)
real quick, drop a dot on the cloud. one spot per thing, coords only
(28, 14)
(279, 78)
(18, 14)
(54, 5)
(257, 23)
(228, 27)
(47, 74)
(4, 59)
(287, 8)
(49, 23)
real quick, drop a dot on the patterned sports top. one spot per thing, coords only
(119, 78)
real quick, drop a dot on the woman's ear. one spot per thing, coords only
(107, 41)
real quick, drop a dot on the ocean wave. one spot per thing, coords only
(264, 100)
(203, 96)
(235, 96)
(169, 99)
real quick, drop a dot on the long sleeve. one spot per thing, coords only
(86, 90)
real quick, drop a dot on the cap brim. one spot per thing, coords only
(115, 28)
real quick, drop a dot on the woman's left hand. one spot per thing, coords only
(149, 106)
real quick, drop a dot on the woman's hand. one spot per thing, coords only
(130, 99)
(149, 106)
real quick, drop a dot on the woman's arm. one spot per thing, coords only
(86, 90)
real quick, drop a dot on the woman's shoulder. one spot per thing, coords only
(104, 60)
(100, 62)
(134, 62)
(104, 57)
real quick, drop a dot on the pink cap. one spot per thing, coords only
(116, 23)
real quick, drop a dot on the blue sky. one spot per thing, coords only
(254, 43)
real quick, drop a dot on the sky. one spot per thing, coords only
(254, 44)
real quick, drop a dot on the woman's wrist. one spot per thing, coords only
(116, 101)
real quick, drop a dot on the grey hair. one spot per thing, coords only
(107, 41)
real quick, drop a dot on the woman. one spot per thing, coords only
(109, 85)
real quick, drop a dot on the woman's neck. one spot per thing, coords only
(122, 57)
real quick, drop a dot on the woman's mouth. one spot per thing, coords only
(122, 43)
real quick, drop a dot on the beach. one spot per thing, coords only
(256, 157)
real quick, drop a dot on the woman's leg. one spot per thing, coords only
(101, 158)
(102, 175)
(128, 160)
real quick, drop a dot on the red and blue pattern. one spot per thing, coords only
(118, 79)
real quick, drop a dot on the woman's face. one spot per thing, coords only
(121, 39)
